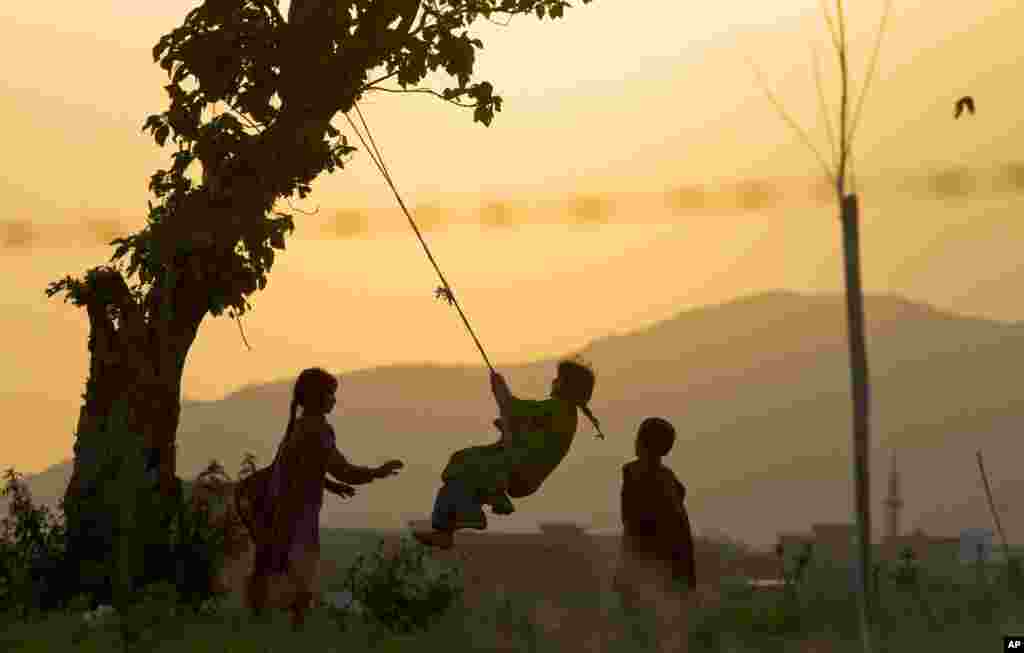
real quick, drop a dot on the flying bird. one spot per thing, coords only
(966, 102)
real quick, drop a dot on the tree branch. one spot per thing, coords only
(241, 115)
(313, 212)
(370, 85)
(423, 90)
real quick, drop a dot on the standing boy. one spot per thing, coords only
(657, 566)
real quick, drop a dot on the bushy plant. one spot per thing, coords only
(907, 573)
(793, 574)
(36, 575)
(32, 555)
(146, 618)
(198, 539)
(405, 591)
(1013, 576)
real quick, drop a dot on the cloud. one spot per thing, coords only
(100, 226)
(497, 215)
(104, 230)
(749, 195)
(17, 234)
(347, 223)
(430, 217)
(590, 210)
(1011, 177)
(358, 222)
(89, 230)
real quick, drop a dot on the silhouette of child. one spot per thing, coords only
(280, 504)
(535, 438)
(657, 544)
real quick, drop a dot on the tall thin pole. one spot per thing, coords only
(849, 214)
(992, 507)
(859, 381)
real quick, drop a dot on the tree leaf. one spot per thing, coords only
(161, 134)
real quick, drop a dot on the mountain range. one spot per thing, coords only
(757, 388)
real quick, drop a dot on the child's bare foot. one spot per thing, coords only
(499, 503)
(440, 539)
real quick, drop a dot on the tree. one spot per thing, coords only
(842, 180)
(208, 247)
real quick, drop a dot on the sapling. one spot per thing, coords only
(849, 213)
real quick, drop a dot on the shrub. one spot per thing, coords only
(404, 591)
(32, 555)
(37, 575)
(199, 534)
(146, 618)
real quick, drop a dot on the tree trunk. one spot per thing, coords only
(861, 406)
(124, 463)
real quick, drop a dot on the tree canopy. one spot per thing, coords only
(209, 246)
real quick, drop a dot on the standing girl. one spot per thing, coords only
(280, 504)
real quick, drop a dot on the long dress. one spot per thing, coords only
(280, 504)
(531, 451)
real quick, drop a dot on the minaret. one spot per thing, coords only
(894, 503)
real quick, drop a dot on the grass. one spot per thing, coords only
(933, 605)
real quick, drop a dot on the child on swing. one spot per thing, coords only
(535, 438)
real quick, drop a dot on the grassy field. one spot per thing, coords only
(925, 607)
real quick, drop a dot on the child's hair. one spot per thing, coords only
(578, 385)
(312, 389)
(656, 436)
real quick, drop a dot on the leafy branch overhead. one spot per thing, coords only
(281, 81)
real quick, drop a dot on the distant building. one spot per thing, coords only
(838, 542)
(976, 545)
(793, 544)
(920, 543)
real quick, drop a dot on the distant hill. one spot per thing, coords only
(757, 388)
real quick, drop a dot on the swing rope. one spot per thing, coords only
(446, 290)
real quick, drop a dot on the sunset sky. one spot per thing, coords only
(619, 99)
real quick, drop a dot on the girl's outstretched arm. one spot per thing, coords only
(343, 490)
(340, 468)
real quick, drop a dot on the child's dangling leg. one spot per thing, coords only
(499, 502)
(455, 507)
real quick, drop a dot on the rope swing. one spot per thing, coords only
(445, 291)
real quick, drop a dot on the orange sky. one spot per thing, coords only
(608, 100)
(608, 97)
